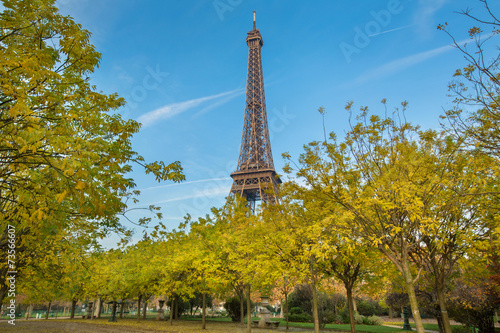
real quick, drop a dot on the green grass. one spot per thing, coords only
(332, 327)
(359, 328)
(430, 327)
(427, 326)
(346, 327)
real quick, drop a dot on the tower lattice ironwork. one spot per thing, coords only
(255, 177)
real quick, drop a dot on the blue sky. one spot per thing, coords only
(182, 65)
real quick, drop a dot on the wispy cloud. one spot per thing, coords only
(395, 29)
(427, 8)
(171, 110)
(215, 104)
(401, 64)
(186, 183)
(200, 194)
(425, 15)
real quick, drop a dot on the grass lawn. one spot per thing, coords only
(427, 326)
(344, 327)
(431, 327)
(328, 327)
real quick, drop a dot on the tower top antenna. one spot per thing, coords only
(254, 20)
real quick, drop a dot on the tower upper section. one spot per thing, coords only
(255, 151)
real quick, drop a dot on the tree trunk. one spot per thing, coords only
(410, 289)
(93, 309)
(439, 319)
(203, 311)
(73, 307)
(444, 311)
(315, 306)
(242, 310)
(172, 312)
(350, 306)
(121, 309)
(391, 312)
(144, 309)
(99, 307)
(286, 309)
(249, 311)
(48, 310)
(3, 286)
(28, 311)
(176, 312)
(139, 308)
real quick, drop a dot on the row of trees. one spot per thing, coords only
(309, 238)
(388, 202)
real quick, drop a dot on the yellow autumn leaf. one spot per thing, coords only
(61, 196)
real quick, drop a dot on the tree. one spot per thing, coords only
(198, 262)
(404, 190)
(62, 278)
(476, 113)
(477, 84)
(284, 285)
(397, 300)
(473, 303)
(64, 152)
(240, 251)
(293, 235)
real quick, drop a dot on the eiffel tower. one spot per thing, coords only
(255, 178)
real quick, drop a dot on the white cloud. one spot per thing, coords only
(171, 110)
(391, 30)
(403, 63)
(398, 65)
(186, 183)
(200, 194)
(424, 16)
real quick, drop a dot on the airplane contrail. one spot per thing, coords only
(395, 29)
